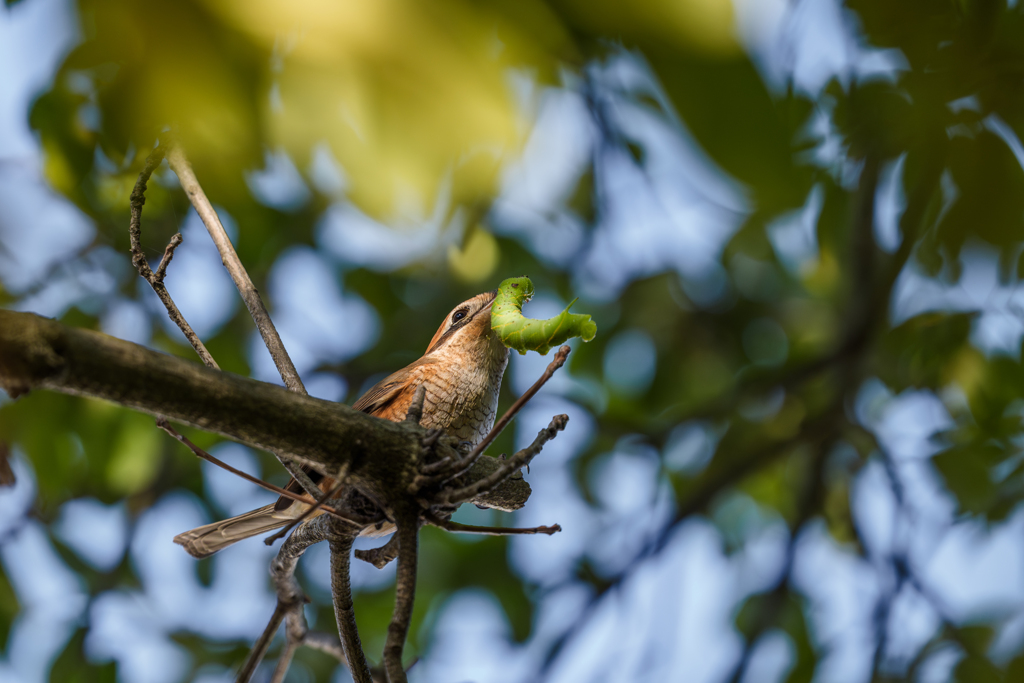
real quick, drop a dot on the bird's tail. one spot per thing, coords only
(205, 540)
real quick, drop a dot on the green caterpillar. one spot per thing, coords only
(523, 334)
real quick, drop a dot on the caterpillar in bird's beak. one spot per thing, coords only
(523, 334)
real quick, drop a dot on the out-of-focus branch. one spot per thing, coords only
(180, 165)
(7, 477)
(156, 280)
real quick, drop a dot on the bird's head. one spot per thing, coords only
(467, 331)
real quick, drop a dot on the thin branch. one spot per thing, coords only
(505, 468)
(161, 270)
(380, 557)
(164, 425)
(327, 644)
(250, 295)
(262, 644)
(181, 166)
(449, 525)
(405, 594)
(156, 280)
(284, 660)
(344, 611)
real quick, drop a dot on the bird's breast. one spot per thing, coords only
(462, 399)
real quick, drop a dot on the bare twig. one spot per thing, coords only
(344, 612)
(327, 644)
(262, 644)
(164, 425)
(517, 461)
(156, 280)
(299, 475)
(405, 594)
(284, 660)
(181, 166)
(380, 557)
(449, 525)
(161, 270)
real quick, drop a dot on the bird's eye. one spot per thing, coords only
(458, 315)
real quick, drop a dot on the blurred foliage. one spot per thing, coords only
(421, 103)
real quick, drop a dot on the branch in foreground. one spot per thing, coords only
(181, 166)
(37, 353)
(156, 280)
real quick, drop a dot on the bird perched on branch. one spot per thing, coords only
(461, 372)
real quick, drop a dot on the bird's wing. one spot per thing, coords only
(385, 392)
(374, 402)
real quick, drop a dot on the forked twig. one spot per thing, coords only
(181, 166)
(156, 280)
(250, 295)
(289, 608)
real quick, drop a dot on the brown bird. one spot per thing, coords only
(461, 372)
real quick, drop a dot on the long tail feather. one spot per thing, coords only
(205, 540)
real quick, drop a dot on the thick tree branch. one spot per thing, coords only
(38, 353)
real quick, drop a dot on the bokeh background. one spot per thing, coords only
(795, 447)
